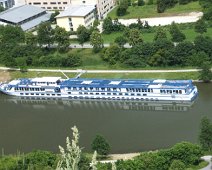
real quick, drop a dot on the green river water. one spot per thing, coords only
(129, 126)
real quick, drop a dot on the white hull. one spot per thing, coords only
(148, 97)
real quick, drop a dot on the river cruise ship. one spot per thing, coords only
(113, 89)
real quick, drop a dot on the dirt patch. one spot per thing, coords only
(125, 156)
(4, 76)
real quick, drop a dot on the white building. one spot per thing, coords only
(72, 17)
(7, 3)
(102, 6)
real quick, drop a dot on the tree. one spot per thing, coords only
(53, 15)
(11, 34)
(96, 41)
(197, 59)
(141, 3)
(187, 152)
(181, 53)
(160, 34)
(71, 60)
(176, 34)
(207, 9)
(134, 37)
(30, 39)
(122, 8)
(203, 43)
(177, 165)
(21, 63)
(183, 2)
(83, 34)
(208, 13)
(160, 58)
(100, 145)
(162, 5)
(111, 54)
(45, 34)
(150, 2)
(121, 41)
(37, 160)
(205, 136)
(107, 25)
(61, 37)
(1, 8)
(206, 73)
(200, 26)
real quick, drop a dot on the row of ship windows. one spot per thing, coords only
(40, 94)
(110, 89)
(115, 94)
(45, 3)
(171, 91)
(28, 89)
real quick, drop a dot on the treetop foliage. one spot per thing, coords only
(101, 145)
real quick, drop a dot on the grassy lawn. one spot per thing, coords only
(197, 167)
(91, 60)
(148, 37)
(191, 75)
(148, 11)
(18, 74)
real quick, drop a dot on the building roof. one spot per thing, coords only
(78, 10)
(20, 13)
(31, 24)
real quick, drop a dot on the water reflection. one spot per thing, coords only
(44, 103)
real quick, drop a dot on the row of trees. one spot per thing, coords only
(160, 52)
(27, 49)
(162, 5)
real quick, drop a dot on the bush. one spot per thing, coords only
(141, 3)
(187, 152)
(177, 165)
(100, 145)
(38, 160)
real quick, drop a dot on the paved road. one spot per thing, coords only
(90, 46)
(208, 159)
(106, 71)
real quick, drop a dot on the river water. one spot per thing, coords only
(26, 125)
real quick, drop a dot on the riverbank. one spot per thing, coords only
(5, 76)
(183, 74)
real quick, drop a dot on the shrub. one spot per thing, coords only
(177, 165)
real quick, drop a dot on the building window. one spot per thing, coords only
(52, 3)
(36, 3)
(83, 2)
(64, 2)
(49, 8)
(45, 3)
